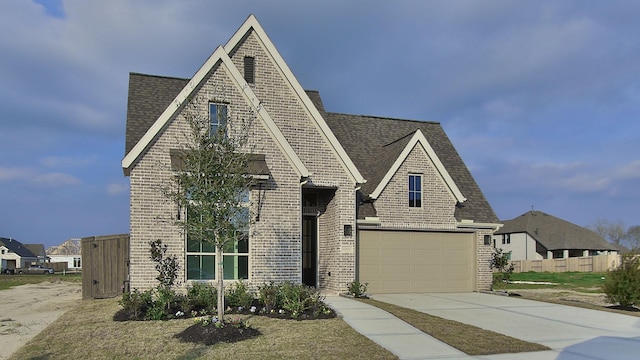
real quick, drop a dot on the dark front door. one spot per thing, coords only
(309, 250)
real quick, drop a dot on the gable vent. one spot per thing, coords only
(249, 69)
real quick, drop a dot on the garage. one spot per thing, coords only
(403, 261)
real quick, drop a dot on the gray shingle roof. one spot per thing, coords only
(149, 96)
(17, 247)
(372, 143)
(554, 233)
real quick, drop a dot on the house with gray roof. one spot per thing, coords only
(340, 197)
(14, 254)
(536, 235)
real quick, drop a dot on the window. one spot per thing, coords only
(415, 190)
(249, 69)
(201, 255)
(217, 116)
(506, 238)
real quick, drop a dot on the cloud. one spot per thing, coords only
(55, 180)
(65, 161)
(14, 173)
(630, 170)
(116, 189)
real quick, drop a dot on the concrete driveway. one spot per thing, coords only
(572, 333)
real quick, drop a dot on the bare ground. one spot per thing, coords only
(26, 310)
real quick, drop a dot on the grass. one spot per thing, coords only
(89, 332)
(9, 281)
(575, 281)
(469, 339)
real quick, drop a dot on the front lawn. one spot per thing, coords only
(576, 281)
(89, 332)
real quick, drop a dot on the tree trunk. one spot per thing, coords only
(220, 275)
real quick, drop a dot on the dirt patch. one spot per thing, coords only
(26, 310)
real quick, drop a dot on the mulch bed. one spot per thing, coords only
(210, 335)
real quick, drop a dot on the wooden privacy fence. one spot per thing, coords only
(600, 263)
(105, 265)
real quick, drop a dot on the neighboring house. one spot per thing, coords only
(535, 235)
(67, 252)
(14, 254)
(38, 251)
(341, 197)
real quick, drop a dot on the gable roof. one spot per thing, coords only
(136, 144)
(554, 233)
(419, 139)
(375, 144)
(219, 56)
(17, 247)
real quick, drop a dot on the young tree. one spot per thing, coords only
(633, 237)
(212, 183)
(612, 231)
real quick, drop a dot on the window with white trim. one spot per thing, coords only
(217, 116)
(415, 190)
(201, 255)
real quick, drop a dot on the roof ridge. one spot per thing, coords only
(400, 138)
(387, 118)
(158, 76)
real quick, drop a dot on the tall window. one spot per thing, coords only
(201, 255)
(415, 190)
(217, 116)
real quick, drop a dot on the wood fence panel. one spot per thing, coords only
(600, 263)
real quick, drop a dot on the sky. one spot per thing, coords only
(540, 98)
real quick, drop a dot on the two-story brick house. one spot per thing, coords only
(339, 197)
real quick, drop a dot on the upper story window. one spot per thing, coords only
(217, 116)
(506, 238)
(415, 190)
(250, 69)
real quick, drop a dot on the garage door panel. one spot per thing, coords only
(413, 261)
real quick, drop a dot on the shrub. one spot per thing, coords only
(622, 285)
(135, 303)
(202, 296)
(167, 266)
(238, 295)
(357, 289)
(270, 295)
(296, 298)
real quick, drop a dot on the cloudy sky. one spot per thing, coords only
(541, 98)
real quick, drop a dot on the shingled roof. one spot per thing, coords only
(149, 96)
(372, 143)
(554, 233)
(17, 247)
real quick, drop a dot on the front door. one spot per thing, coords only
(309, 250)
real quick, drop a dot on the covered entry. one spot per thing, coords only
(403, 261)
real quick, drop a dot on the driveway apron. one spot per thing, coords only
(572, 332)
(388, 331)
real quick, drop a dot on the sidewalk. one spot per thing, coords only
(393, 334)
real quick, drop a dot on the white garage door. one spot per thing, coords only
(416, 261)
